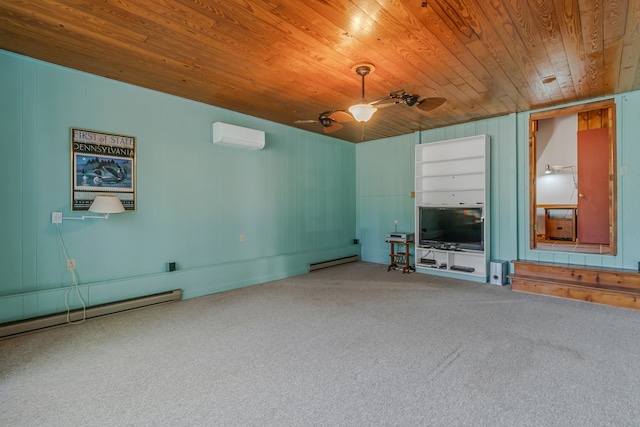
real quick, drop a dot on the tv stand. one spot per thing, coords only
(453, 173)
(459, 261)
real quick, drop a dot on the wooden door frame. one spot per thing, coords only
(608, 105)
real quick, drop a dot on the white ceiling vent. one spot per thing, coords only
(237, 136)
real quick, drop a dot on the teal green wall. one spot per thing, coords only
(294, 201)
(385, 178)
(385, 175)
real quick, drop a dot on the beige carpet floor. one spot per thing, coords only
(352, 345)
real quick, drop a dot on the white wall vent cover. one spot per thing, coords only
(237, 136)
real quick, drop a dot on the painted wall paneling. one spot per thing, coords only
(293, 202)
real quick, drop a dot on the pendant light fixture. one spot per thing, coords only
(363, 111)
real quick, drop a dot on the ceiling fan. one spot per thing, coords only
(362, 112)
(330, 120)
(410, 97)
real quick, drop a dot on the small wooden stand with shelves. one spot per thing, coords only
(401, 259)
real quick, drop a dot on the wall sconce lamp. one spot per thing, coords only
(563, 170)
(105, 204)
(558, 169)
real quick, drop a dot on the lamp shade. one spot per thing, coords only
(362, 112)
(106, 204)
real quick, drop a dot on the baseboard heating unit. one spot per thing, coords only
(333, 262)
(23, 326)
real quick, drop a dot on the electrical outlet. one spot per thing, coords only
(56, 217)
(71, 264)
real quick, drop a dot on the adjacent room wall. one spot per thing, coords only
(556, 145)
(294, 201)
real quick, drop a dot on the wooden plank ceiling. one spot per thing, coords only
(284, 60)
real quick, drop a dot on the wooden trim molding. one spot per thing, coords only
(608, 286)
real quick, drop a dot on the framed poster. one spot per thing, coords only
(102, 163)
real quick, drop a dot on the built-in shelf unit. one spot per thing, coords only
(452, 207)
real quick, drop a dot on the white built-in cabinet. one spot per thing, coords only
(453, 174)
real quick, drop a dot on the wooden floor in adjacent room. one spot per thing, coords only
(569, 246)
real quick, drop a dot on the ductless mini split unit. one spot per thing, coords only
(237, 136)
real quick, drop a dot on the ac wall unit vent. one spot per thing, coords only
(237, 136)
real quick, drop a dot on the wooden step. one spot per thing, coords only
(609, 286)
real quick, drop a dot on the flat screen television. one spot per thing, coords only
(452, 227)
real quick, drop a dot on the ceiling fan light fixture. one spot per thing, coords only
(362, 112)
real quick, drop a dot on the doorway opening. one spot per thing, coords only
(573, 179)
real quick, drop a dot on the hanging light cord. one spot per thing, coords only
(74, 285)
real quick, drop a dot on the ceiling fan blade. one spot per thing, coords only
(341, 116)
(334, 127)
(428, 104)
(397, 94)
(388, 104)
(378, 101)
